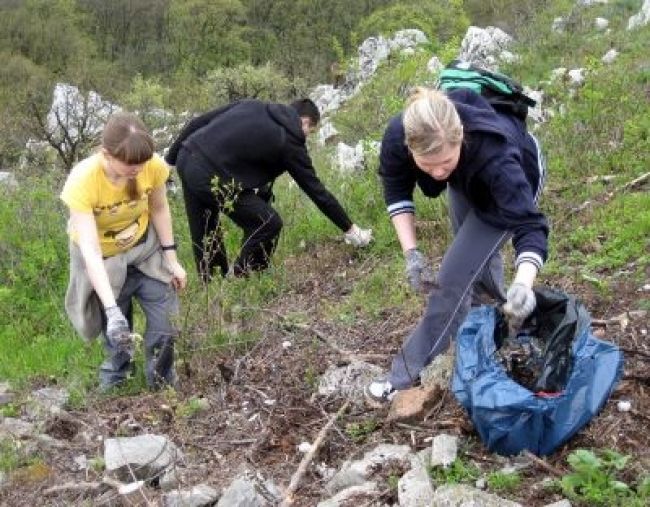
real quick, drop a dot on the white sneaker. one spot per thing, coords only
(379, 392)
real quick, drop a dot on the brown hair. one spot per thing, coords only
(126, 138)
(431, 122)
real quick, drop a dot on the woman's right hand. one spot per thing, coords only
(179, 276)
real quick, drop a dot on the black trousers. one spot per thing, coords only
(249, 209)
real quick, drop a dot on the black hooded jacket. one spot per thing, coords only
(254, 142)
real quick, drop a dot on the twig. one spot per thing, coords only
(543, 464)
(636, 352)
(640, 414)
(306, 460)
(334, 346)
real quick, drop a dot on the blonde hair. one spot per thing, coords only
(126, 138)
(431, 122)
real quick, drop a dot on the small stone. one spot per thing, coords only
(286, 344)
(481, 483)
(81, 461)
(624, 406)
(412, 404)
(304, 447)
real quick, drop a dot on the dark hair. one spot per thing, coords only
(127, 139)
(307, 108)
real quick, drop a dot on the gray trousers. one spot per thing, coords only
(159, 303)
(471, 265)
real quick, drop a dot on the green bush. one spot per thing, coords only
(439, 20)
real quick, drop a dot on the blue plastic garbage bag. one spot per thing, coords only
(581, 368)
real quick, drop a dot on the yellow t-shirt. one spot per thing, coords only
(121, 221)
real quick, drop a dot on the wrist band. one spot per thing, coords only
(173, 246)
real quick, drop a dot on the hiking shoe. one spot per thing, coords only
(379, 392)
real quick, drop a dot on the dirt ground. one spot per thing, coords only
(262, 402)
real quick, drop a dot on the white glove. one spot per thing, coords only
(520, 299)
(520, 302)
(357, 236)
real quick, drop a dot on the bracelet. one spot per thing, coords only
(173, 246)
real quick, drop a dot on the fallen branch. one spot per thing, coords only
(604, 198)
(307, 459)
(74, 487)
(334, 346)
(543, 464)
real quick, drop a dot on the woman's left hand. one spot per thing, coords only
(179, 276)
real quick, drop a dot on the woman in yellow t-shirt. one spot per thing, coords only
(122, 247)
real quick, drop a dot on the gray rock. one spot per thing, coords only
(327, 132)
(348, 381)
(589, 3)
(434, 65)
(355, 473)
(601, 23)
(198, 496)
(558, 24)
(241, 493)
(147, 456)
(8, 180)
(47, 401)
(81, 462)
(169, 480)
(610, 56)
(76, 113)
(576, 77)
(460, 495)
(561, 503)
(444, 450)
(409, 38)
(343, 497)
(16, 428)
(414, 488)
(482, 46)
(640, 19)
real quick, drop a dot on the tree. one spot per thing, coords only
(439, 20)
(207, 34)
(48, 32)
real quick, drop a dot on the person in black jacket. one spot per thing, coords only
(244, 146)
(493, 172)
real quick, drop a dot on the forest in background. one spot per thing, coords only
(182, 55)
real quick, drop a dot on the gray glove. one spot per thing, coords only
(418, 271)
(520, 303)
(117, 330)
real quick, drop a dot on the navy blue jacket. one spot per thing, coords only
(498, 172)
(254, 142)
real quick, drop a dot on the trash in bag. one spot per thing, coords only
(536, 390)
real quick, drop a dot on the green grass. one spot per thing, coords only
(604, 130)
(503, 482)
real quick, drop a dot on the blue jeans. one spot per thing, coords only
(159, 303)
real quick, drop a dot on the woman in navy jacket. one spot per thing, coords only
(493, 172)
